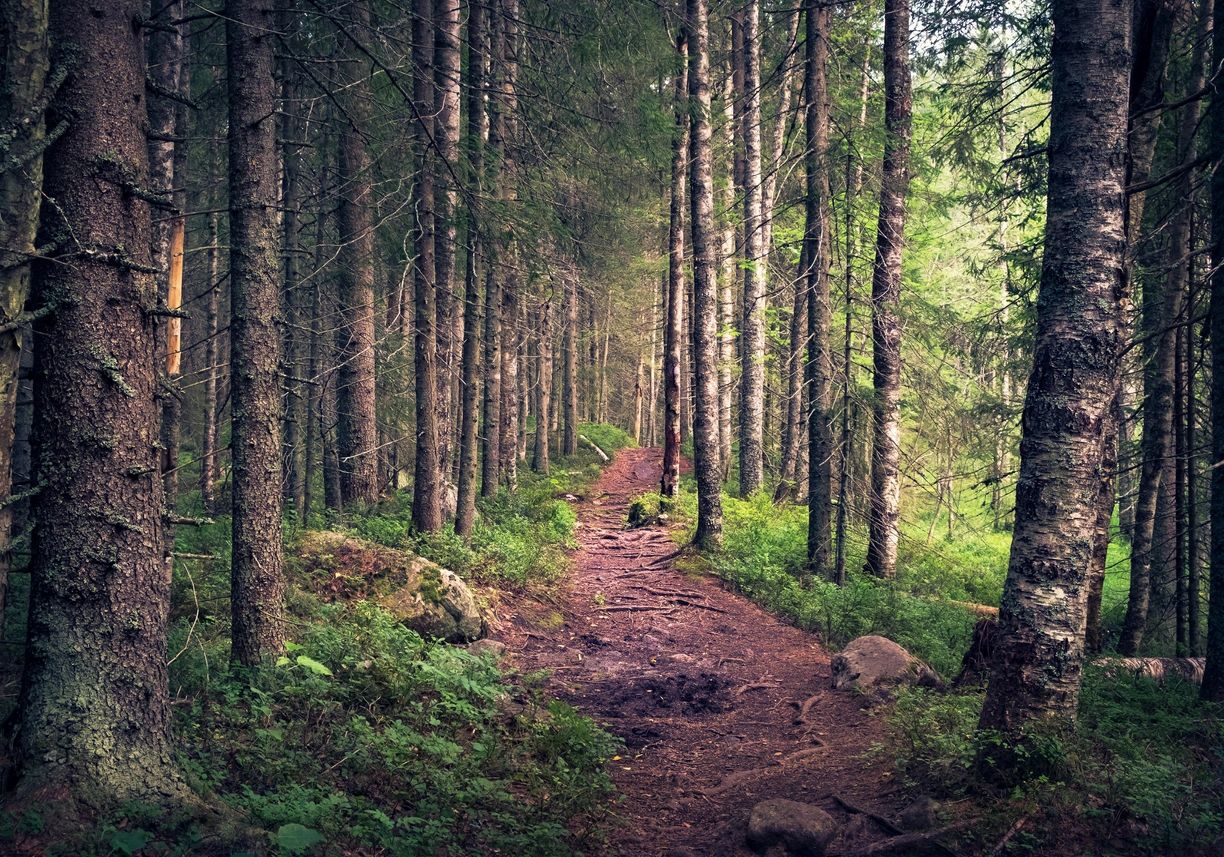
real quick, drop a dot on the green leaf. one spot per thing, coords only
(282, 661)
(291, 646)
(128, 842)
(313, 665)
(293, 838)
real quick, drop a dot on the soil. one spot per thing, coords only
(720, 704)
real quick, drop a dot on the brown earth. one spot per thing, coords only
(719, 703)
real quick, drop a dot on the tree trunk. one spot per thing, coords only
(478, 41)
(95, 722)
(357, 429)
(447, 126)
(885, 500)
(510, 381)
(569, 393)
(819, 365)
(1152, 29)
(209, 458)
(258, 583)
(544, 385)
(1213, 676)
(705, 285)
(854, 181)
(1037, 668)
(673, 328)
(730, 252)
(752, 318)
(426, 474)
(294, 293)
(23, 75)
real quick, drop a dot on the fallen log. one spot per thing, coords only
(603, 456)
(1158, 669)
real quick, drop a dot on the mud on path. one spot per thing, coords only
(720, 704)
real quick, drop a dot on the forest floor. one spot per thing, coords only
(719, 703)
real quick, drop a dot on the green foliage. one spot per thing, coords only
(1143, 761)
(763, 556)
(609, 438)
(367, 737)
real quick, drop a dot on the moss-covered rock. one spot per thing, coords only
(424, 596)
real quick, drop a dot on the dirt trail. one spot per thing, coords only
(720, 704)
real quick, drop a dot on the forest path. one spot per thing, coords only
(720, 704)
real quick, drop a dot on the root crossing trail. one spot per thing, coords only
(720, 704)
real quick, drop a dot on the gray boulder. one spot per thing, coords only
(873, 661)
(801, 829)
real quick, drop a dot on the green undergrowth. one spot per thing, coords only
(924, 609)
(377, 741)
(365, 738)
(1140, 772)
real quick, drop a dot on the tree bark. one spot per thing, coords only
(477, 128)
(819, 365)
(1213, 676)
(426, 474)
(95, 722)
(544, 384)
(447, 125)
(730, 250)
(357, 427)
(884, 512)
(752, 318)
(569, 389)
(708, 535)
(258, 583)
(1159, 306)
(23, 78)
(294, 298)
(673, 328)
(1037, 668)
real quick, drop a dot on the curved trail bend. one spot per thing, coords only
(720, 704)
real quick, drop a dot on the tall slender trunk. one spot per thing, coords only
(1037, 667)
(209, 459)
(569, 389)
(544, 384)
(652, 396)
(1213, 676)
(426, 473)
(258, 583)
(819, 367)
(95, 723)
(752, 318)
(478, 42)
(357, 430)
(885, 499)
(294, 297)
(447, 128)
(24, 63)
(1160, 305)
(726, 275)
(705, 284)
(854, 181)
(673, 328)
(510, 380)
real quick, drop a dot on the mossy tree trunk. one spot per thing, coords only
(94, 713)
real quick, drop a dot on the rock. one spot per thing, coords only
(922, 814)
(873, 661)
(429, 599)
(490, 647)
(801, 829)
